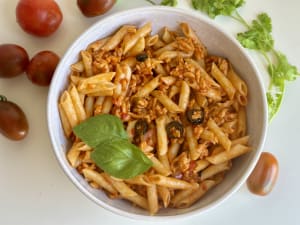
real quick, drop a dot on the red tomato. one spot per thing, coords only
(39, 17)
(13, 60)
(263, 178)
(13, 121)
(41, 68)
(92, 8)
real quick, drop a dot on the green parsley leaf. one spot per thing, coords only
(283, 70)
(259, 36)
(121, 159)
(169, 2)
(280, 72)
(217, 7)
(112, 150)
(274, 97)
(96, 129)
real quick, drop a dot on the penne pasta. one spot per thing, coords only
(223, 81)
(141, 32)
(162, 140)
(156, 84)
(225, 156)
(165, 195)
(99, 179)
(152, 198)
(87, 62)
(68, 108)
(171, 182)
(148, 87)
(77, 103)
(159, 167)
(237, 82)
(214, 169)
(64, 120)
(184, 96)
(116, 39)
(137, 48)
(166, 101)
(196, 194)
(223, 139)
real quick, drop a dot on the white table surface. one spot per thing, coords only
(33, 188)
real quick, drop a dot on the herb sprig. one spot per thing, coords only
(258, 37)
(164, 2)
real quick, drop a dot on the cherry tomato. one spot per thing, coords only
(41, 67)
(13, 60)
(39, 17)
(13, 121)
(91, 8)
(263, 178)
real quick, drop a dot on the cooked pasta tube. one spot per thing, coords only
(64, 120)
(162, 139)
(223, 139)
(68, 107)
(87, 62)
(148, 87)
(215, 169)
(180, 195)
(152, 197)
(159, 167)
(100, 180)
(78, 106)
(141, 32)
(196, 194)
(223, 81)
(171, 182)
(224, 156)
(127, 193)
(166, 101)
(140, 180)
(116, 39)
(165, 195)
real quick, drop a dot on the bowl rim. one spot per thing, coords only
(158, 218)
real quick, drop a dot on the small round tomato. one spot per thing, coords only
(13, 121)
(91, 8)
(13, 60)
(39, 17)
(41, 67)
(263, 178)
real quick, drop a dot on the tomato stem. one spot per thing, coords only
(3, 98)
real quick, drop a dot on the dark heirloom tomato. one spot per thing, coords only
(39, 17)
(13, 60)
(41, 67)
(13, 121)
(91, 8)
(264, 176)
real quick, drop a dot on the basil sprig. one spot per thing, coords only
(112, 151)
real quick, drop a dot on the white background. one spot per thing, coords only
(35, 191)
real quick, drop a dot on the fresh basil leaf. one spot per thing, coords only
(99, 128)
(121, 159)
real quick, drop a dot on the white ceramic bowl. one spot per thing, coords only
(218, 42)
